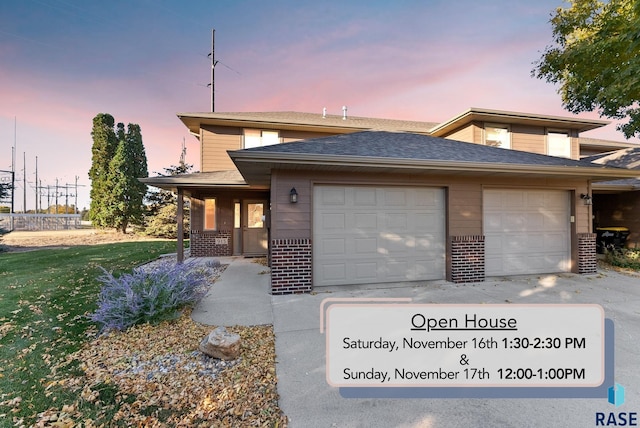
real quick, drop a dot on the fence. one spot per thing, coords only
(39, 221)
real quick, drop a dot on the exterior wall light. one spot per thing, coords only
(586, 199)
(293, 196)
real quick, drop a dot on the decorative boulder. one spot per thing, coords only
(221, 344)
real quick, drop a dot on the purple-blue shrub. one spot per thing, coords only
(147, 295)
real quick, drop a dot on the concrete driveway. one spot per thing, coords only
(309, 401)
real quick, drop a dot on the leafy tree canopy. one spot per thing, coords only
(595, 59)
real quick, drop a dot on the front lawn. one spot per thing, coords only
(45, 296)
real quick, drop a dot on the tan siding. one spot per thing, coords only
(215, 143)
(463, 134)
(290, 220)
(528, 138)
(478, 133)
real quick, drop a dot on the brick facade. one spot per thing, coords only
(467, 259)
(211, 243)
(291, 263)
(587, 259)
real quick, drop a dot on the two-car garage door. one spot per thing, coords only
(526, 231)
(366, 235)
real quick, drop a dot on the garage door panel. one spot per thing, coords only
(333, 246)
(364, 196)
(400, 238)
(334, 196)
(395, 198)
(529, 238)
(365, 221)
(335, 221)
(366, 246)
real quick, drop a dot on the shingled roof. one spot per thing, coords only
(398, 152)
(381, 144)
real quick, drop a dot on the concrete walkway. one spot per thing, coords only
(240, 296)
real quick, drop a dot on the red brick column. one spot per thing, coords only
(291, 264)
(587, 259)
(210, 243)
(467, 259)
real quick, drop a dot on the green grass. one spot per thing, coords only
(45, 296)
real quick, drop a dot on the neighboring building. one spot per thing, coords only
(351, 200)
(617, 203)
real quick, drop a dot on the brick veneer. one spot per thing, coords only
(587, 259)
(467, 259)
(291, 266)
(203, 244)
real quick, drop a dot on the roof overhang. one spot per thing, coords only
(201, 180)
(256, 167)
(510, 117)
(297, 121)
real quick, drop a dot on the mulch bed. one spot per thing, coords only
(162, 380)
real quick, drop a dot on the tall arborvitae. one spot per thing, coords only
(127, 193)
(103, 150)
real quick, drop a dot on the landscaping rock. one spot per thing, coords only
(221, 344)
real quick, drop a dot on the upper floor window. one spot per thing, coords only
(559, 144)
(260, 137)
(496, 135)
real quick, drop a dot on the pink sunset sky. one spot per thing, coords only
(142, 61)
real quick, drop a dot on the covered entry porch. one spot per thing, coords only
(227, 216)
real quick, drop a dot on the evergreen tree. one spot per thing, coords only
(129, 163)
(163, 206)
(103, 150)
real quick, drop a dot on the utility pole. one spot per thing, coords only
(37, 190)
(24, 177)
(56, 196)
(213, 70)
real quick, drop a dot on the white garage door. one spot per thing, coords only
(377, 234)
(526, 231)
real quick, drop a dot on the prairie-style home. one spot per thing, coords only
(337, 200)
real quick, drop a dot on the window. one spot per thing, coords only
(260, 138)
(255, 215)
(497, 135)
(210, 213)
(559, 144)
(236, 215)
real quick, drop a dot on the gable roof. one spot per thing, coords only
(405, 152)
(625, 158)
(298, 120)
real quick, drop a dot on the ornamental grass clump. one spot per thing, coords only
(148, 295)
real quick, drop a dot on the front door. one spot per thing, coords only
(254, 228)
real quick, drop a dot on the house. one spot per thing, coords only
(336, 200)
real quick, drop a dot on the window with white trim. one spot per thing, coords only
(497, 135)
(260, 138)
(559, 144)
(210, 214)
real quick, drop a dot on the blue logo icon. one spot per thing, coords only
(616, 395)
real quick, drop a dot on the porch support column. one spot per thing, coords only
(180, 220)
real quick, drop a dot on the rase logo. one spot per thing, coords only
(616, 419)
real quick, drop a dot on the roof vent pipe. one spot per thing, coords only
(324, 112)
(344, 112)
